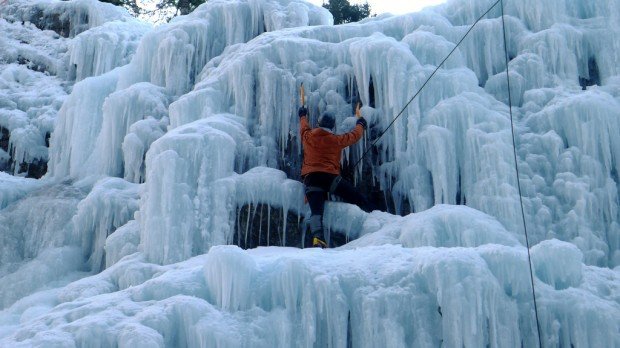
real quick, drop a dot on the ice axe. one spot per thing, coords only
(302, 95)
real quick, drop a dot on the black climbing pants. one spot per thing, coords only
(318, 185)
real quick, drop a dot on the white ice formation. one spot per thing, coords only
(168, 143)
(45, 47)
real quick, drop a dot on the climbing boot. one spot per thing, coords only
(316, 231)
(318, 243)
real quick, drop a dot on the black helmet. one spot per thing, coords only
(327, 120)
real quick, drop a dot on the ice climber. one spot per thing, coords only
(320, 171)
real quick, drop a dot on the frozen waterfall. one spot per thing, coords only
(150, 193)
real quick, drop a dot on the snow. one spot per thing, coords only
(161, 137)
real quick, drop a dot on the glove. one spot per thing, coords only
(361, 121)
(302, 112)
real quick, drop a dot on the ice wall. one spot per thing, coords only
(121, 110)
(170, 56)
(82, 113)
(365, 295)
(129, 113)
(103, 48)
(453, 144)
(336, 72)
(151, 162)
(110, 204)
(67, 18)
(29, 96)
(578, 169)
(181, 165)
(36, 234)
(15, 188)
(185, 211)
(41, 57)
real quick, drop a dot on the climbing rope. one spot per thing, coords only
(514, 151)
(514, 146)
(423, 85)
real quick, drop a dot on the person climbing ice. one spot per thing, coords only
(320, 170)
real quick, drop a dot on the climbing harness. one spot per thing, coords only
(334, 185)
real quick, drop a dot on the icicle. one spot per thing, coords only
(260, 224)
(268, 225)
(247, 224)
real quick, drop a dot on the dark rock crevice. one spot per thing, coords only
(34, 169)
(264, 225)
(4, 139)
(593, 77)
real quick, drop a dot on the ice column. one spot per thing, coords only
(78, 126)
(108, 206)
(121, 110)
(179, 165)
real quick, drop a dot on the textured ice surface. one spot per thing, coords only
(36, 233)
(13, 188)
(109, 205)
(39, 64)
(68, 19)
(104, 48)
(368, 296)
(168, 132)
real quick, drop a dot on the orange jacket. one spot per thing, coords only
(323, 149)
